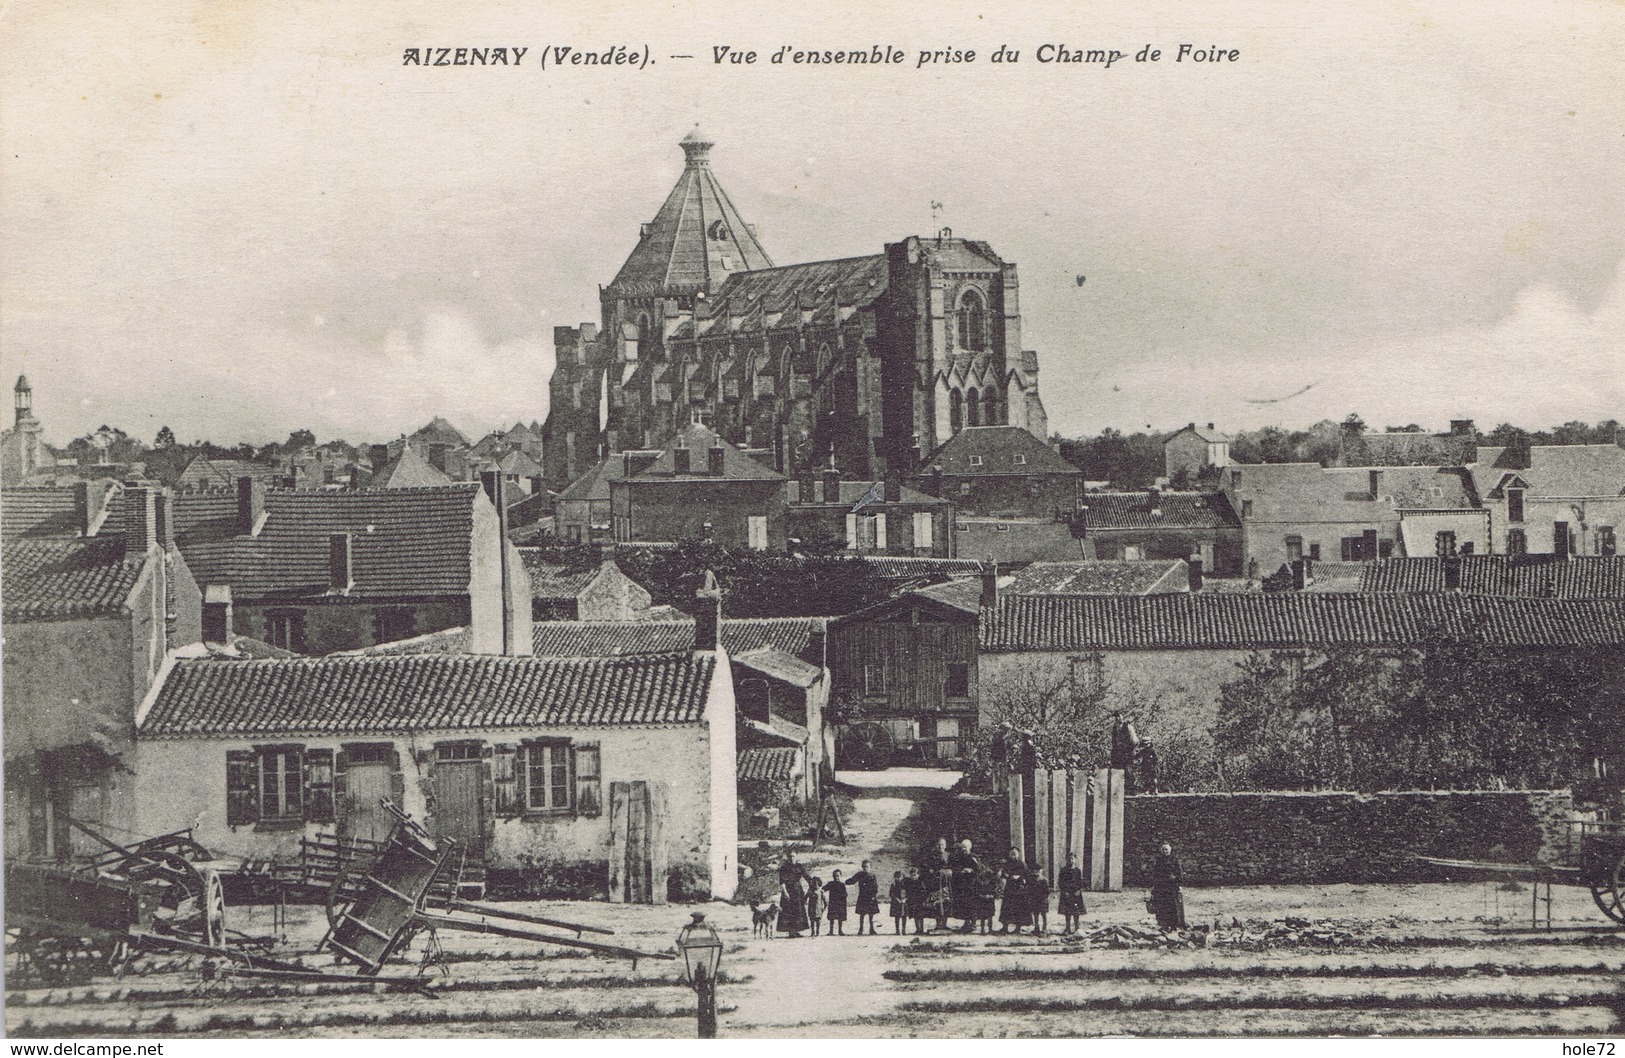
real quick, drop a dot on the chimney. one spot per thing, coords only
(1452, 573)
(708, 614)
(1210, 427)
(164, 509)
(140, 521)
(1194, 567)
(933, 483)
(1300, 574)
(89, 500)
(893, 488)
(816, 646)
(340, 570)
(217, 616)
(714, 460)
(832, 485)
(495, 488)
(250, 505)
(680, 460)
(990, 585)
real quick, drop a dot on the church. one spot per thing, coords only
(870, 361)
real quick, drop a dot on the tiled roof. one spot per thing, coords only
(619, 638)
(1310, 492)
(909, 568)
(1528, 576)
(779, 665)
(555, 583)
(1100, 578)
(962, 594)
(851, 492)
(409, 470)
(438, 431)
(997, 448)
(403, 541)
(223, 473)
(848, 281)
(1205, 433)
(698, 439)
(445, 641)
(1178, 510)
(61, 578)
(594, 484)
(1570, 471)
(767, 764)
(1265, 620)
(353, 695)
(38, 512)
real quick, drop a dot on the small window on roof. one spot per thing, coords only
(975, 461)
(1021, 460)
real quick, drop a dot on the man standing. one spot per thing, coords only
(1167, 902)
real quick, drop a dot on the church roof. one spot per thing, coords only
(849, 281)
(696, 240)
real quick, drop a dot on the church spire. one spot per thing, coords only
(696, 241)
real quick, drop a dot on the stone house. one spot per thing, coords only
(1014, 498)
(700, 487)
(530, 763)
(1179, 650)
(1162, 525)
(600, 593)
(1188, 452)
(319, 571)
(872, 517)
(96, 594)
(1558, 499)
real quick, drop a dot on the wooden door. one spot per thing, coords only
(459, 783)
(637, 861)
(368, 780)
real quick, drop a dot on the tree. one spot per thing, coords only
(165, 438)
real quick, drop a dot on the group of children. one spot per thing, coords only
(910, 898)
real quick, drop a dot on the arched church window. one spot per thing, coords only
(956, 411)
(646, 338)
(990, 407)
(973, 408)
(972, 322)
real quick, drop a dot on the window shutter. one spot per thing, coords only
(506, 766)
(880, 531)
(488, 797)
(242, 787)
(922, 531)
(319, 786)
(852, 530)
(39, 838)
(341, 791)
(588, 765)
(397, 780)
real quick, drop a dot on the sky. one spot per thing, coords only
(242, 219)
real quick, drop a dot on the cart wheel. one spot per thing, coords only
(214, 910)
(1609, 892)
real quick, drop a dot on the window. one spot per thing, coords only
(1514, 505)
(972, 322)
(1562, 542)
(450, 752)
(973, 409)
(964, 488)
(1021, 461)
(961, 527)
(975, 461)
(956, 411)
(756, 531)
(1088, 677)
(391, 625)
(1294, 548)
(958, 685)
(1444, 543)
(924, 531)
(1314, 552)
(286, 629)
(1001, 528)
(1291, 668)
(1517, 543)
(547, 776)
(589, 784)
(874, 678)
(1246, 508)
(755, 699)
(282, 782)
(1605, 540)
(1385, 549)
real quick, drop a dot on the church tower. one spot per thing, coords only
(21, 447)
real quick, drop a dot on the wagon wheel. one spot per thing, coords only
(1609, 891)
(190, 901)
(213, 910)
(869, 745)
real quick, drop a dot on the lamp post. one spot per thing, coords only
(702, 954)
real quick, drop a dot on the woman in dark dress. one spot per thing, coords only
(792, 896)
(1014, 912)
(1167, 902)
(1071, 904)
(915, 890)
(937, 878)
(967, 898)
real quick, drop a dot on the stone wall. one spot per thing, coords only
(1308, 838)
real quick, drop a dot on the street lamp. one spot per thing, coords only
(702, 954)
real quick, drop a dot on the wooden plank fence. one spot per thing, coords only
(1057, 813)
